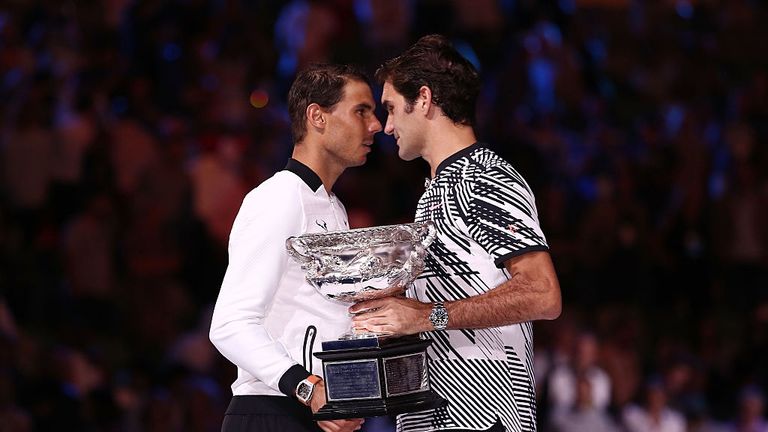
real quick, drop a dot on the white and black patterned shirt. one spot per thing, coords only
(485, 214)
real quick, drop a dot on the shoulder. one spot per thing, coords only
(271, 212)
(279, 194)
(494, 165)
(275, 189)
(487, 168)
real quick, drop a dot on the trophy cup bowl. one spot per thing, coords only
(369, 374)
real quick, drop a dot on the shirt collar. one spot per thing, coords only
(456, 156)
(305, 173)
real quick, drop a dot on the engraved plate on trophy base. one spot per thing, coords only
(406, 374)
(355, 377)
(352, 380)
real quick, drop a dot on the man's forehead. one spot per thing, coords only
(357, 89)
(388, 92)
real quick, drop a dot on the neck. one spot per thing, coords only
(445, 139)
(310, 156)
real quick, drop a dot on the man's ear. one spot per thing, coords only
(316, 116)
(424, 99)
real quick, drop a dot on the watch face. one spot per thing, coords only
(439, 317)
(304, 391)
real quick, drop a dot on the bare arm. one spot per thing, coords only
(531, 293)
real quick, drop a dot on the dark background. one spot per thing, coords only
(131, 130)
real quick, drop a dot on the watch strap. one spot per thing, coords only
(310, 382)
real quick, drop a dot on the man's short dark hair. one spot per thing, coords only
(435, 63)
(322, 84)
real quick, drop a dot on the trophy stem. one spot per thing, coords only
(351, 335)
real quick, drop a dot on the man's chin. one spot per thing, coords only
(360, 162)
(407, 156)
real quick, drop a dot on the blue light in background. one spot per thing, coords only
(567, 6)
(289, 28)
(716, 185)
(684, 9)
(712, 134)
(532, 44)
(287, 64)
(596, 48)
(541, 75)
(44, 60)
(587, 188)
(119, 105)
(12, 78)
(673, 119)
(171, 52)
(290, 35)
(467, 52)
(508, 6)
(363, 11)
(551, 33)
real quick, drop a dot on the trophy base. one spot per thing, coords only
(374, 377)
(375, 408)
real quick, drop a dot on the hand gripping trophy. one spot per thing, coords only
(369, 374)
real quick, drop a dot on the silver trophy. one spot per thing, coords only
(369, 374)
(363, 264)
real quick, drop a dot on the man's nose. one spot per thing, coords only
(389, 128)
(375, 125)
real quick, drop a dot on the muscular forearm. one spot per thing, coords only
(519, 299)
(531, 293)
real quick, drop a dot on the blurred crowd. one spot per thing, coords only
(131, 130)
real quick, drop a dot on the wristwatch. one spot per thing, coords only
(439, 316)
(305, 388)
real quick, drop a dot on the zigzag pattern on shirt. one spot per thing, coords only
(524, 391)
(500, 391)
(482, 209)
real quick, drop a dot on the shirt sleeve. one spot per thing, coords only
(257, 261)
(499, 211)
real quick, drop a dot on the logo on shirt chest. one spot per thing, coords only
(322, 224)
(435, 206)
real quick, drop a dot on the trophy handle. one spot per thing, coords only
(430, 235)
(295, 249)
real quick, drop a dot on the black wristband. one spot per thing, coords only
(291, 379)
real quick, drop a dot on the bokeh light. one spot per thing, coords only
(259, 98)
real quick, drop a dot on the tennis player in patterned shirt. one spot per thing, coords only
(488, 275)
